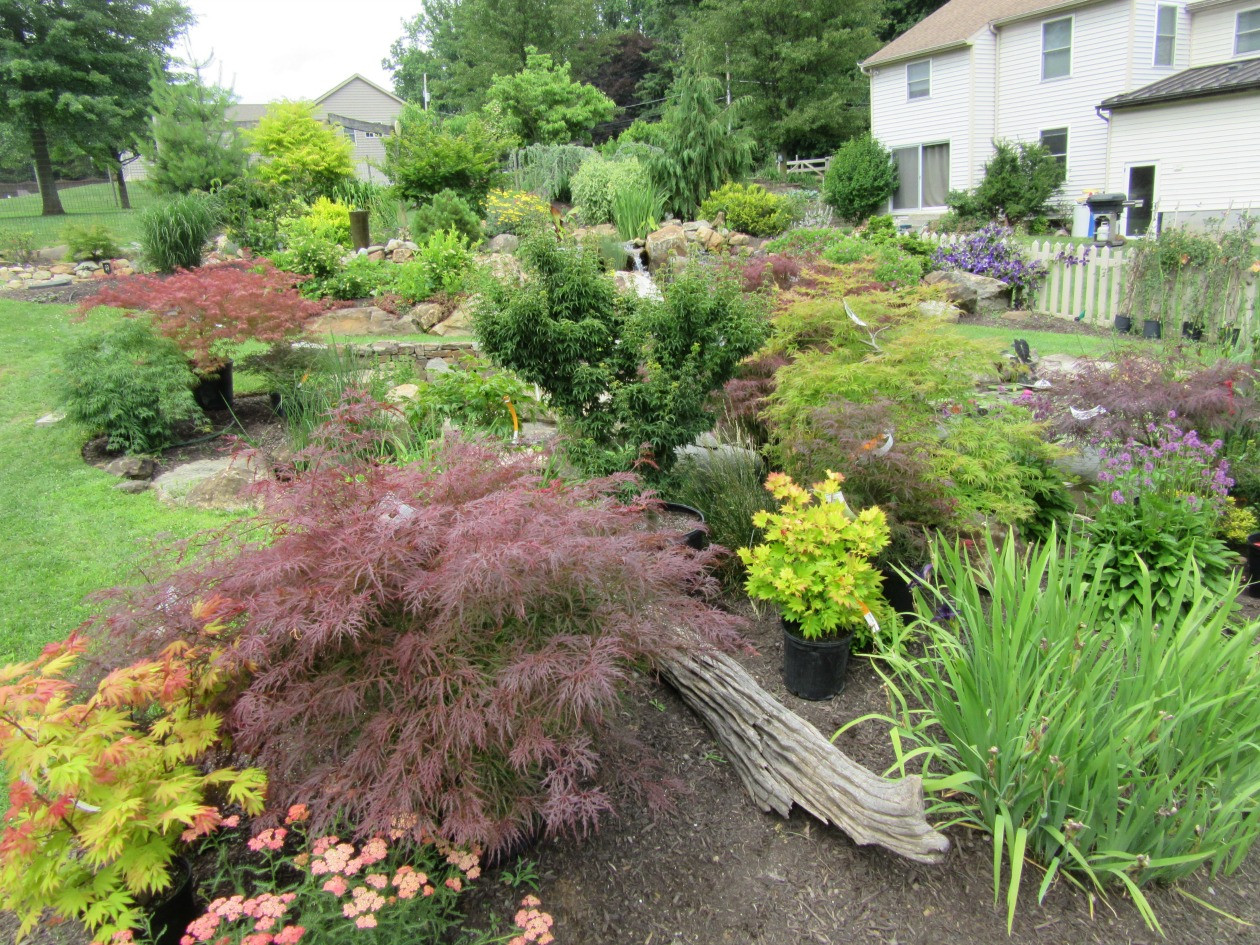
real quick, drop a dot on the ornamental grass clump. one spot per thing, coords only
(1159, 510)
(1113, 752)
(443, 642)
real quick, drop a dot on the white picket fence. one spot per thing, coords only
(1093, 292)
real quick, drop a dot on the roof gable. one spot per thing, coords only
(368, 82)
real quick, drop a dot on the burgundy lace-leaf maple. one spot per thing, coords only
(442, 643)
(202, 310)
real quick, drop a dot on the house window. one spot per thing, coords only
(922, 176)
(1165, 34)
(1054, 140)
(1056, 48)
(370, 134)
(348, 132)
(919, 79)
(1247, 36)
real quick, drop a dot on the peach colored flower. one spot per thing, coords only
(454, 883)
(376, 880)
(289, 935)
(297, 814)
(337, 885)
(366, 921)
(272, 839)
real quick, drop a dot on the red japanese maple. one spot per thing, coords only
(207, 310)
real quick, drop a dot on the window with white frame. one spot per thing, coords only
(922, 176)
(348, 132)
(1247, 33)
(1165, 34)
(370, 134)
(1055, 140)
(1056, 48)
(919, 79)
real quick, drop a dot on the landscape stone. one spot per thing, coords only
(61, 269)
(504, 243)
(739, 239)
(211, 483)
(934, 308)
(132, 467)
(393, 245)
(505, 266)
(437, 366)
(402, 254)
(52, 282)
(425, 315)
(460, 322)
(975, 295)
(361, 320)
(133, 486)
(403, 392)
(376, 255)
(40, 275)
(640, 283)
(668, 240)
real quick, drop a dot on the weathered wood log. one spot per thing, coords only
(783, 760)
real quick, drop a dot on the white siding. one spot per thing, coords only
(898, 121)
(358, 99)
(1214, 30)
(1027, 105)
(983, 106)
(1143, 70)
(1203, 152)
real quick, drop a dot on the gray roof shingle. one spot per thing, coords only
(1200, 82)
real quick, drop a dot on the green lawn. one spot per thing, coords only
(67, 531)
(1053, 342)
(92, 203)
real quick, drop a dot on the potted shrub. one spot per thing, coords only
(210, 310)
(103, 792)
(815, 563)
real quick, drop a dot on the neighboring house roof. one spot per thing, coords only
(246, 114)
(341, 85)
(956, 22)
(1200, 82)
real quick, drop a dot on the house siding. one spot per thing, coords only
(899, 122)
(1203, 152)
(1143, 70)
(1028, 105)
(1214, 31)
(358, 99)
(984, 102)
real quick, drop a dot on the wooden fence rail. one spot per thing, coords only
(806, 166)
(1087, 283)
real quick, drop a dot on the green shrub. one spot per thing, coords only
(749, 208)
(807, 242)
(472, 397)
(446, 211)
(844, 250)
(426, 157)
(131, 385)
(860, 178)
(597, 183)
(91, 241)
(300, 152)
(440, 265)
(253, 211)
(18, 246)
(547, 169)
(542, 104)
(308, 253)
(174, 233)
(896, 268)
(360, 278)
(1018, 182)
(1117, 752)
(637, 211)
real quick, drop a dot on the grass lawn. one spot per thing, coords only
(67, 531)
(1053, 342)
(91, 203)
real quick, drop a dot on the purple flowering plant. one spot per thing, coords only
(1161, 502)
(993, 251)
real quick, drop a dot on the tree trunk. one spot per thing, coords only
(44, 172)
(124, 199)
(783, 760)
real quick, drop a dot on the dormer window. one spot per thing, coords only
(919, 79)
(1056, 48)
(1247, 34)
(1165, 34)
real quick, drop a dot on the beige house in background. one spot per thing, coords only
(1157, 99)
(365, 111)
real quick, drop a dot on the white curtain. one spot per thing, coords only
(935, 174)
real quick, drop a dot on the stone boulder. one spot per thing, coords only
(425, 315)
(935, 308)
(505, 267)
(668, 241)
(132, 467)
(460, 322)
(975, 295)
(504, 243)
(639, 283)
(361, 320)
(212, 483)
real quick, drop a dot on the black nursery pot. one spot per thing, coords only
(1123, 324)
(814, 669)
(1253, 564)
(215, 391)
(698, 537)
(1151, 328)
(170, 914)
(1191, 332)
(897, 591)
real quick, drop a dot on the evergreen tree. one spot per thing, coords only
(194, 143)
(78, 70)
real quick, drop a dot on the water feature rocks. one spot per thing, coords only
(670, 240)
(504, 243)
(975, 295)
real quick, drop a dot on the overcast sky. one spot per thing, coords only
(298, 49)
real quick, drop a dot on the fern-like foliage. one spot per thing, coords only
(439, 645)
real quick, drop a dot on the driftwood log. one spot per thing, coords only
(783, 760)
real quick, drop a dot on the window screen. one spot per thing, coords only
(919, 79)
(1055, 141)
(1248, 36)
(1165, 35)
(1056, 48)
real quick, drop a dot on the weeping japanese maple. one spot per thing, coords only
(437, 645)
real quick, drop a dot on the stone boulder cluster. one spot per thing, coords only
(54, 275)
(675, 239)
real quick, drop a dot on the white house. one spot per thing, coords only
(365, 111)
(1159, 99)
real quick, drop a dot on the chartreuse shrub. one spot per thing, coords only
(749, 208)
(860, 178)
(299, 152)
(1114, 752)
(173, 233)
(630, 376)
(503, 665)
(430, 155)
(104, 792)
(598, 182)
(1158, 512)
(130, 384)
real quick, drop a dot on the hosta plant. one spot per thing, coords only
(1115, 752)
(814, 560)
(208, 311)
(103, 792)
(443, 642)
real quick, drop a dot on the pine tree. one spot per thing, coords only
(194, 143)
